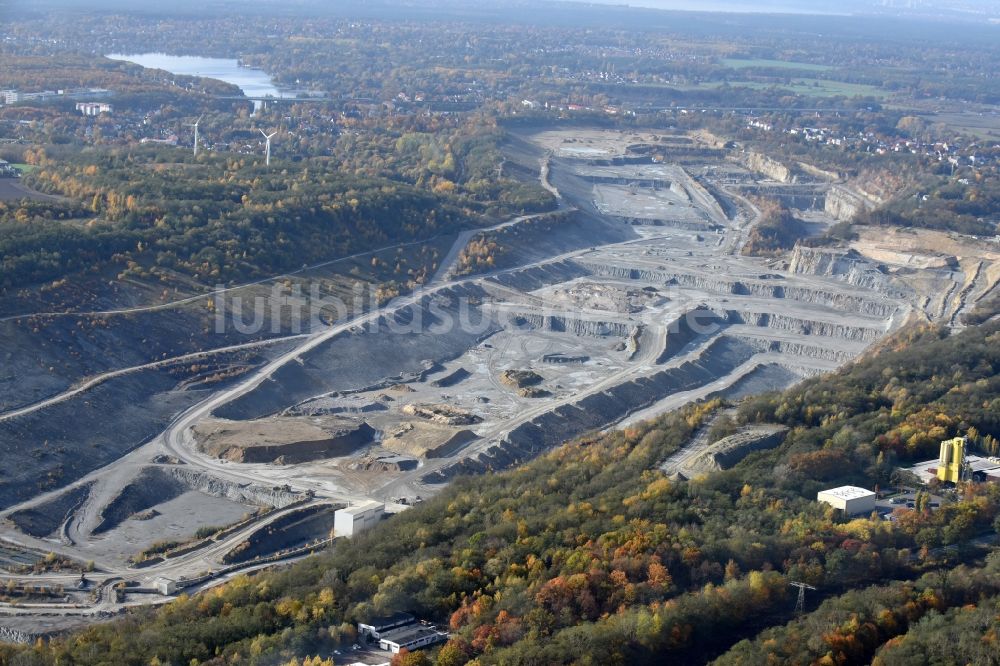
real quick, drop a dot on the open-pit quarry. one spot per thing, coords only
(634, 298)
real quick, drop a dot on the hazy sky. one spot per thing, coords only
(969, 8)
(987, 7)
(746, 5)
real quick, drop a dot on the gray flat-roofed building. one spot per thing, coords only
(165, 586)
(849, 499)
(353, 519)
(376, 626)
(411, 637)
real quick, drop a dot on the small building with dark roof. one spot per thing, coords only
(376, 626)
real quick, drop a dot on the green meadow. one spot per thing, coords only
(740, 63)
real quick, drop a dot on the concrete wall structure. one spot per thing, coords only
(354, 519)
(849, 499)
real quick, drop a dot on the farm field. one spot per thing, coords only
(740, 63)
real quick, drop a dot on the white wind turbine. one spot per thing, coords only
(267, 149)
(195, 126)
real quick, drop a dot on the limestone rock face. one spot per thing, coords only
(843, 204)
(729, 451)
(444, 414)
(768, 166)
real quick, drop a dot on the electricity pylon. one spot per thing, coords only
(800, 604)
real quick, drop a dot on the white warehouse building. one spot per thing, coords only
(849, 499)
(165, 586)
(411, 638)
(353, 519)
(93, 108)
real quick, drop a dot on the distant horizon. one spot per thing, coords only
(968, 9)
(845, 8)
(709, 7)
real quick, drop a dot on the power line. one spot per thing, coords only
(800, 603)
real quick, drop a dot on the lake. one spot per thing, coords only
(253, 82)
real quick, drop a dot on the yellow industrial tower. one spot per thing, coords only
(952, 461)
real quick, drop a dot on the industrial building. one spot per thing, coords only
(412, 637)
(354, 519)
(978, 468)
(165, 586)
(400, 631)
(11, 96)
(954, 464)
(377, 626)
(849, 499)
(93, 108)
(951, 462)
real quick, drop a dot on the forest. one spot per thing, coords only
(931, 620)
(225, 217)
(944, 204)
(589, 555)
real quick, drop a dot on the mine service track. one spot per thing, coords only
(171, 305)
(101, 379)
(175, 438)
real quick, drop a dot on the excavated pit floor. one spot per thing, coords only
(176, 520)
(609, 330)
